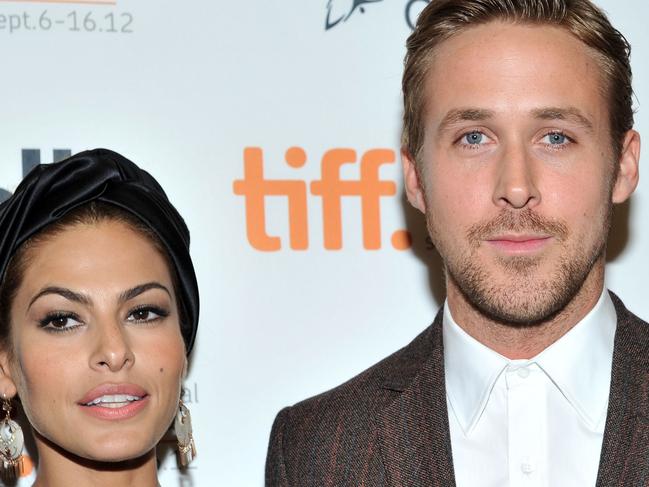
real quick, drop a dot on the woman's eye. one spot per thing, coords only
(60, 322)
(143, 315)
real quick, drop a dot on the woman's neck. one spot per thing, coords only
(57, 468)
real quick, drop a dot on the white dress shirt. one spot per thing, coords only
(530, 423)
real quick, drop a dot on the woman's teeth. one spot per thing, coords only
(113, 400)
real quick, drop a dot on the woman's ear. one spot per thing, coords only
(7, 385)
(185, 367)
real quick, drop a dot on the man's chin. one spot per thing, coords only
(522, 298)
(519, 312)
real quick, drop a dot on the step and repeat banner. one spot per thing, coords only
(240, 110)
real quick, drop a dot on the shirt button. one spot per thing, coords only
(527, 468)
(523, 372)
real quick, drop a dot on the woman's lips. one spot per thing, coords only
(114, 401)
(519, 244)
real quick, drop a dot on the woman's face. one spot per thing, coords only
(98, 356)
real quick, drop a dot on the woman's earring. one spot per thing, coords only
(183, 428)
(11, 444)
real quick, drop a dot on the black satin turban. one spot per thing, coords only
(50, 191)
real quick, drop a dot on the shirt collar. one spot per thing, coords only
(579, 364)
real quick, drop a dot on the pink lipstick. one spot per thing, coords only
(114, 401)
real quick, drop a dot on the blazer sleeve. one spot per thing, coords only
(275, 467)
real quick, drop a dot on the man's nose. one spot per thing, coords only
(516, 179)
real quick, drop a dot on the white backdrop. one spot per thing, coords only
(183, 88)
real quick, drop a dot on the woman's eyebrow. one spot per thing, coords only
(62, 291)
(139, 289)
(76, 297)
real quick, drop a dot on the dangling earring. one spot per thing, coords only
(11, 444)
(183, 428)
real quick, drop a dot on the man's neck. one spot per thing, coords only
(516, 341)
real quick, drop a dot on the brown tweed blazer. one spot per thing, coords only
(389, 425)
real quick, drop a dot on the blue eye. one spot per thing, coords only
(556, 138)
(474, 138)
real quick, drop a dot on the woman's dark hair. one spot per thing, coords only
(91, 213)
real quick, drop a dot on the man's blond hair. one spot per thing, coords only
(442, 19)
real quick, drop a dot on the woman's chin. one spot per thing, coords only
(118, 452)
(125, 449)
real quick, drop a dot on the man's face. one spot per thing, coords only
(516, 171)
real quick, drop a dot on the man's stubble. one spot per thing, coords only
(520, 297)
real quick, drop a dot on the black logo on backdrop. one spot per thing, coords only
(413, 9)
(32, 158)
(341, 10)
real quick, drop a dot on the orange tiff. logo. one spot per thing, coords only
(254, 187)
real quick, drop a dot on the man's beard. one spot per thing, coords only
(517, 296)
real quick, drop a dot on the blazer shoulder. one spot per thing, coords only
(631, 349)
(632, 334)
(333, 435)
(374, 386)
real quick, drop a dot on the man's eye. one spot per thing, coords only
(556, 138)
(474, 138)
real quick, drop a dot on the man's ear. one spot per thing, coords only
(7, 385)
(412, 181)
(628, 174)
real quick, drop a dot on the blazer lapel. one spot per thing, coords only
(413, 430)
(414, 437)
(625, 449)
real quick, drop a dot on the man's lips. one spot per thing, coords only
(519, 244)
